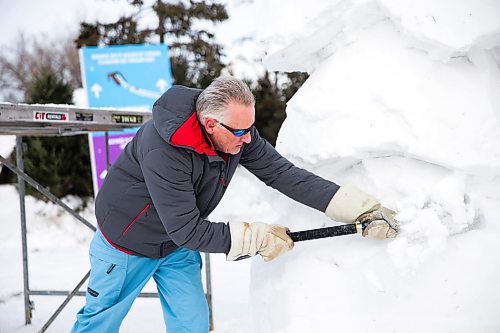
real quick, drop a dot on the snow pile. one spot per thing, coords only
(7, 143)
(403, 100)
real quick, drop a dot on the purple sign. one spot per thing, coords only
(116, 143)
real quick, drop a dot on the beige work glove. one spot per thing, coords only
(350, 204)
(382, 224)
(249, 239)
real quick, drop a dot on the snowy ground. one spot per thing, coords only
(58, 246)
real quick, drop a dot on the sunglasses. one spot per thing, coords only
(236, 132)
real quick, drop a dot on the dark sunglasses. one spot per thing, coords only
(236, 132)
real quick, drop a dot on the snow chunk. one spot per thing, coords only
(378, 96)
(447, 28)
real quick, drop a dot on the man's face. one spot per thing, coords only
(238, 116)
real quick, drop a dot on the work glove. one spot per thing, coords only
(249, 239)
(382, 223)
(350, 204)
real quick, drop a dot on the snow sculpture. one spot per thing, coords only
(403, 100)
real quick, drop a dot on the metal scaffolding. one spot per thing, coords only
(53, 120)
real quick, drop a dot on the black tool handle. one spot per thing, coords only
(340, 230)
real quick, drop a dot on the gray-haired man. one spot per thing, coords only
(153, 206)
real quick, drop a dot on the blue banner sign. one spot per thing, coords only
(125, 77)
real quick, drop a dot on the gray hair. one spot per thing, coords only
(213, 101)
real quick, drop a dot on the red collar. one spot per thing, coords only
(190, 134)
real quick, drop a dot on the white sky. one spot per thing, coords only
(56, 19)
(51, 18)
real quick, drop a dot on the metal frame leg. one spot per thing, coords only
(64, 303)
(106, 138)
(28, 304)
(209, 291)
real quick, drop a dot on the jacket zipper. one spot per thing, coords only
(145, 209)
(221, 183)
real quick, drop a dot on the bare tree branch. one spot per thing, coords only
(19, 63)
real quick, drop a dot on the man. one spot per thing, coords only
(153, 205)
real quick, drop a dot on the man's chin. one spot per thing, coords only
(235, 150)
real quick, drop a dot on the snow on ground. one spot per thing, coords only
(58, 259)
(7, 143)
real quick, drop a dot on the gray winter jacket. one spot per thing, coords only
(159, 192)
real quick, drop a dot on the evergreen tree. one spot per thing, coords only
(61, 164)
(45, 87)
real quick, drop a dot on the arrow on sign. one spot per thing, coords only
(96, 89)
(162, 84)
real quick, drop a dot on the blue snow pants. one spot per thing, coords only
(116, 278)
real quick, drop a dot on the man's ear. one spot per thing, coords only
(210, 125)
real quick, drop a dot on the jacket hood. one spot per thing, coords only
(174, 118)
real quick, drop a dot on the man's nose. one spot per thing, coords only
(246, 138)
